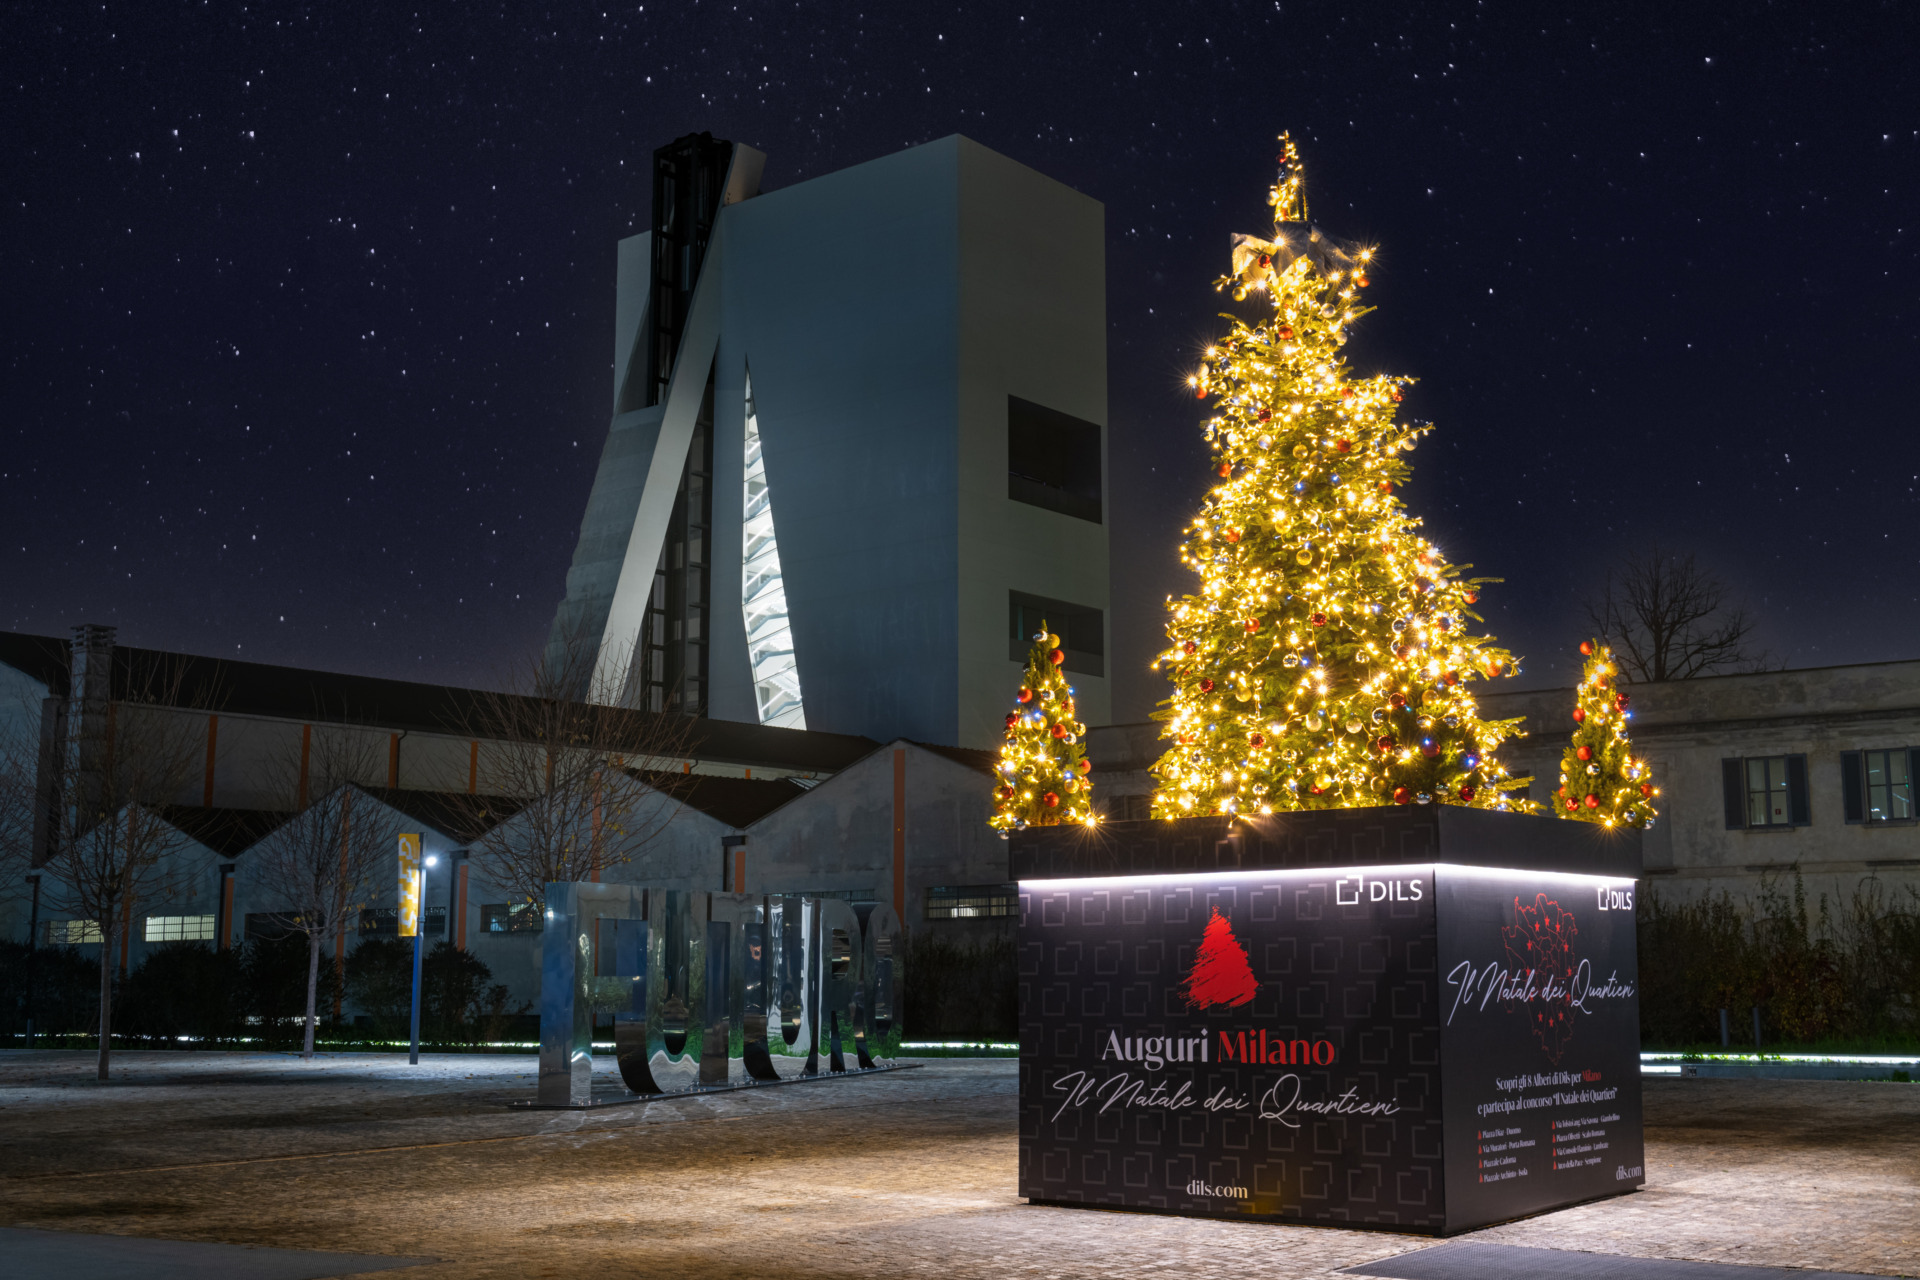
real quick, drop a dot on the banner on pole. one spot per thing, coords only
(410, 875)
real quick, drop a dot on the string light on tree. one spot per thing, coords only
(1327, 659)
(1601, 780)
(1043, 779)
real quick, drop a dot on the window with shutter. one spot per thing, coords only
(1850, 798)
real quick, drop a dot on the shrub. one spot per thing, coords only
(956, 991)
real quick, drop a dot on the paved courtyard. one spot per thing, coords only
(905, 1174)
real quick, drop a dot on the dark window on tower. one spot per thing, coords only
(1765, 792)
(1053, 460)
(1082, 631)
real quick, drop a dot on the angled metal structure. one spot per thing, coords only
(857, 450)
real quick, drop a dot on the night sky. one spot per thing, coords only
(308, 309)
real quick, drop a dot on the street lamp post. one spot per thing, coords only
(419, 948)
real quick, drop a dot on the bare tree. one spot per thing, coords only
(1669, 619)
(134, 744)
(591, 782)
(322, 864)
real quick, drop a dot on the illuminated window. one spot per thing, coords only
(1877, 786)
(763, 595)
(1766, 793)
(384, 922)
(973, 901)
(511, 917)
(179, 929)
(70, 933)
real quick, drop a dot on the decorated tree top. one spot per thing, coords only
(1601, 780)
(1327, 658)
(1043, 772)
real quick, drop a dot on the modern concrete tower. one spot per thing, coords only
(858, 446)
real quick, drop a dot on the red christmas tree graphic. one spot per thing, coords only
(1541, 939)
(1220, 973)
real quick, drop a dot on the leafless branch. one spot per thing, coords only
(569, 762)
(1667, 618)
(321, 864)
(134, 743)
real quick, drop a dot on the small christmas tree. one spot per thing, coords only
(1043, 766)
(1220, 973)
(1601, 780)
(1326, 660)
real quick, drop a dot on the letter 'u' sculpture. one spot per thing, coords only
(712, 990)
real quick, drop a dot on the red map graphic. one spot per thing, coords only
(1220, 973)
(1541, 939)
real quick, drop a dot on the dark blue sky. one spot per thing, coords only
(308, 308)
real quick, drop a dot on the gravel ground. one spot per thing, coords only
(909, 1173)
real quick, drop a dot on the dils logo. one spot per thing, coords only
(1199, 1188)
(1220, 972)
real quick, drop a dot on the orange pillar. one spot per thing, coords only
(213, 739)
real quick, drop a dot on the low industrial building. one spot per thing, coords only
(752, 808)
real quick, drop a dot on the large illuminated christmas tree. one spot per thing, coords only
(1043, 771)
(1327, 659)
(1601, 780)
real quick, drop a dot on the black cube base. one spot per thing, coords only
(1424, 1019)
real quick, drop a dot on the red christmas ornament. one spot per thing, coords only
(1472, 596)
(1085, 766)
(1384, 744)
(1206, 686)
(1398, 700)
(1573, 806)
(1286, 332)
(1006, 793)
(1586, 648)
(1233, 535)
(1319, 619)
(1190, 648)
(1253, 625)
(1360, 279)
(1317, 789)
(1346, 393)
(1344, 446)
(1451, 677)
(1226, 468)
(1199, 393)
(1593, 801)
(1579, 715)
(1466, 795)
(1050, 800)
(1257, 740)
(1620, 701)
(1386, 486)
(1397, 397)
(1646, 788)
(1026, 695)
(1057, 657)
(1429, 748)
(1493, 671)
(1266, 260)
(1013, 718)
(1266, 415)
(1584, 751)
(1058, 730)
(1401, 795)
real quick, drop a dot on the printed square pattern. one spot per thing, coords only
(1332, 993)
